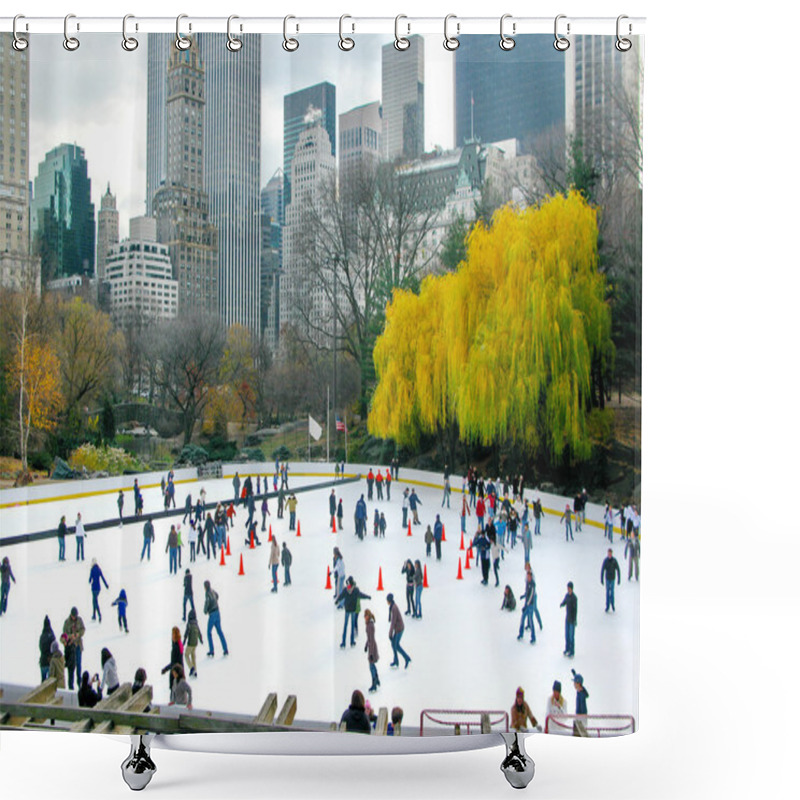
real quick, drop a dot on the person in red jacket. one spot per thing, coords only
(388, 481)
(379, 485)
(480, 512)
(230, 513)
(370, 483)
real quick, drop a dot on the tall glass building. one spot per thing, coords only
(301, 109)
(62, 225)
(232, 171)
(508, 94)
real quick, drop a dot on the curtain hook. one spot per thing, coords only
(129, 43)
(507, 42)
(71, 43)
(20, 43)
(561, 43)
(400, 42)
(289, 44)
(345, 42)
(623, 45)
(233, 44)
(181, 42)
(451, 42)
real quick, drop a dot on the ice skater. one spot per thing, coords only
(274, 562)
(350, 597)
(509, 601)
(332, 508)
(608, 523)
(413, 502)
(95, 576)
(286, 562)
(188, 593)
(438, 534)
(6, 576)
(264, 513)
(191, 636)
(340, 514)
(581, 694)
(80, 535)
(371, 649)
(566, 518)
(172, 549)
(338, 575)
(408, 571)
(570, 602)
(211, 608)
(149, 537)
(291, 504)
(528, 604)
(396, 628)
(120, 504)
(175, 654)
(74, 630)
(379, 485)
(110, 680)
(608, 572)
(388, 483)
(632, 551)
(122, 610)
(62, 539)
(46, 638)
(521, 713)
(419, 583)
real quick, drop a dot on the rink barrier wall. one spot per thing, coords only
(177, 511)
(55, 492)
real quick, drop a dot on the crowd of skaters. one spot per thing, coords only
(499, 524)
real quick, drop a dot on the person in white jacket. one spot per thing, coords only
(557, 706)
(80, 535)
(110, 680)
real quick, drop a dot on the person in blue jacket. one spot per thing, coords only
(122, 608)
(361, 517)
(413, 502)
(95, 576)
(438, 531)
(582, 694)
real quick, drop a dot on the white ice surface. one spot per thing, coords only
(465, 653)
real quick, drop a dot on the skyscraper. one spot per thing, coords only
(303, 303)
(403, 94)
(63, 214)
(301, 109)
(360, 138)
(603, 100)
(507, 94)
(232, 171)
(271, 256)
(180, 205)
(14, 195)
(159, 46)
(107, 230)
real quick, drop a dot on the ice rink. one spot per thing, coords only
(465, 653)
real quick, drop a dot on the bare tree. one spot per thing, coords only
(361, 242)
(188, 354)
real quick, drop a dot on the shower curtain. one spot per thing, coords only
(327, 365)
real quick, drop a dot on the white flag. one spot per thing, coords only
(314, 428)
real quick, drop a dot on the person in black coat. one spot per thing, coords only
(88, 697)
(350, 595)
(355, 719)
(46, 638)
(176, 655)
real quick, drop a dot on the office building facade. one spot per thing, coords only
(180, 205)
(107, 230)
(403, 98)
(508, 94)
(62, 214)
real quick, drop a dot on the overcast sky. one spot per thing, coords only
(96, 97)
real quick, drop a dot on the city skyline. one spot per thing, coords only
(110, 105)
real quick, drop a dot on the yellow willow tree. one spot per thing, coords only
(505, 346)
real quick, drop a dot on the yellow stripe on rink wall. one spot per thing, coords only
(229, 476)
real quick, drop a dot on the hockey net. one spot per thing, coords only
(595, 726)
(461, 721)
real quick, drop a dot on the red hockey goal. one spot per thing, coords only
(461, 721)
(590, 725)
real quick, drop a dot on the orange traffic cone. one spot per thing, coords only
(252, 540)
(425, 578)
(298, 527)
(241, 564)
(409, 527)
(228, 548)
(270, 532)
(444, 539)
(459, 577)
(462, 541)
(380, 579)
(222, 556)
(334, 524)
(469, 556)
(328, 584)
